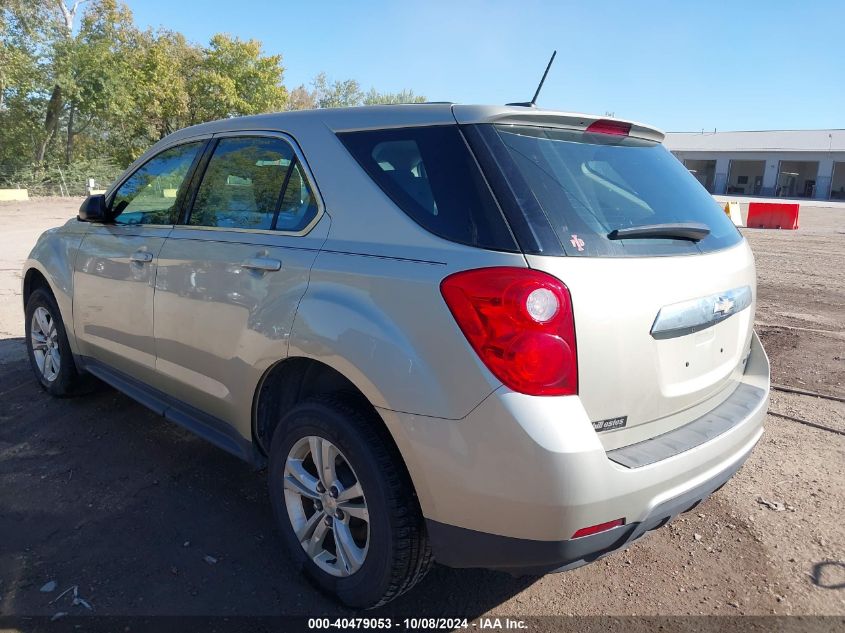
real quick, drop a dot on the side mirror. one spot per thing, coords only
(94, 209)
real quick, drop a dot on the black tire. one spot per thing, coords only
(398, 554)
(68, 380)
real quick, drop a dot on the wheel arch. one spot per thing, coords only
(292, 380)
(35, 277)
(51, 265)
(32, 280)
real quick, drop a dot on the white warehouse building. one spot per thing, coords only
(774, 163)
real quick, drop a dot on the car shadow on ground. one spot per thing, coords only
(11, 350)
(146, 519)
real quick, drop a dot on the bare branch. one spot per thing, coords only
(69, 15)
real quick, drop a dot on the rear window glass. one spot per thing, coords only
(431, 175)
(588, 185)
(253, 183)
(298, 204)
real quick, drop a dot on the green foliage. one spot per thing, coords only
(337, 94)
(345, 93)
(160, 106)
(84, 91)
(68, 180)
(235, 79)
(373, 97)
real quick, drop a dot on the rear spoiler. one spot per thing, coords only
(521, 115)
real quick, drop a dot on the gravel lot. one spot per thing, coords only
(99, 493)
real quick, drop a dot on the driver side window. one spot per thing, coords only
(149, 195)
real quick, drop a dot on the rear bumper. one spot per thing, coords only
(508, 486)
(459, 547)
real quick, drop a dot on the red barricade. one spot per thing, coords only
(772, 215)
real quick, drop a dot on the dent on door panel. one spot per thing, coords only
(220, 323)
(113, 297)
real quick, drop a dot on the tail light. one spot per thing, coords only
(519, 321)
(606, 126)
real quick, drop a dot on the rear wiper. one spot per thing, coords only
(693, 231)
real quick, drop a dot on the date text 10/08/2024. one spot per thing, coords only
(417, 623)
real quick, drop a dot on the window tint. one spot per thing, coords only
(431, 175)
(242, 184)
(590, 184)
(149, 195)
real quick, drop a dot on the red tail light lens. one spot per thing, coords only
(519, 321)
(605, 126)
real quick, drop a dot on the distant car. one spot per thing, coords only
(497, 337)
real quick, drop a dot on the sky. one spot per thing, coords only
(682, 65)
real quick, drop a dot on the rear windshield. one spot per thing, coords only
(587, 185)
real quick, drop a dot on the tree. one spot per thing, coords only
(234, 78)
(99, 69)
(22, 76)
(31, 72)
(300, 98)
(373, 97)
(345, 93)
(70, 72)
(59, 20)
(337, 94)
(83, 90)
(164, 61)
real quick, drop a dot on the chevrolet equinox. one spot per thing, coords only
(498, 337)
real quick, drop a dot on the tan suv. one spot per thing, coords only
(495, 337)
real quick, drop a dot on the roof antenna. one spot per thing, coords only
(533, 102)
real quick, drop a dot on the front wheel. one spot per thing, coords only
(48, 349)
(345, 504)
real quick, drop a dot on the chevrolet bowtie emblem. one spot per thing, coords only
(692, 315)
(723, 305)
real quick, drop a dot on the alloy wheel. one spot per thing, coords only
(326, 506)
(44, 338)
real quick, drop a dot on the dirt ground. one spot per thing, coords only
(98, 493)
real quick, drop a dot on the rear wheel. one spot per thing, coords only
(49, 351)
(345, 504)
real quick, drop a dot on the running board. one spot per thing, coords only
(208, 427)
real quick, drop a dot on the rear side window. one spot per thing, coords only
(298, 204)
(431, 175)
(253, 183)
(589, 184)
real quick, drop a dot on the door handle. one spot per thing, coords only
(141, 257)
(262, 263)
